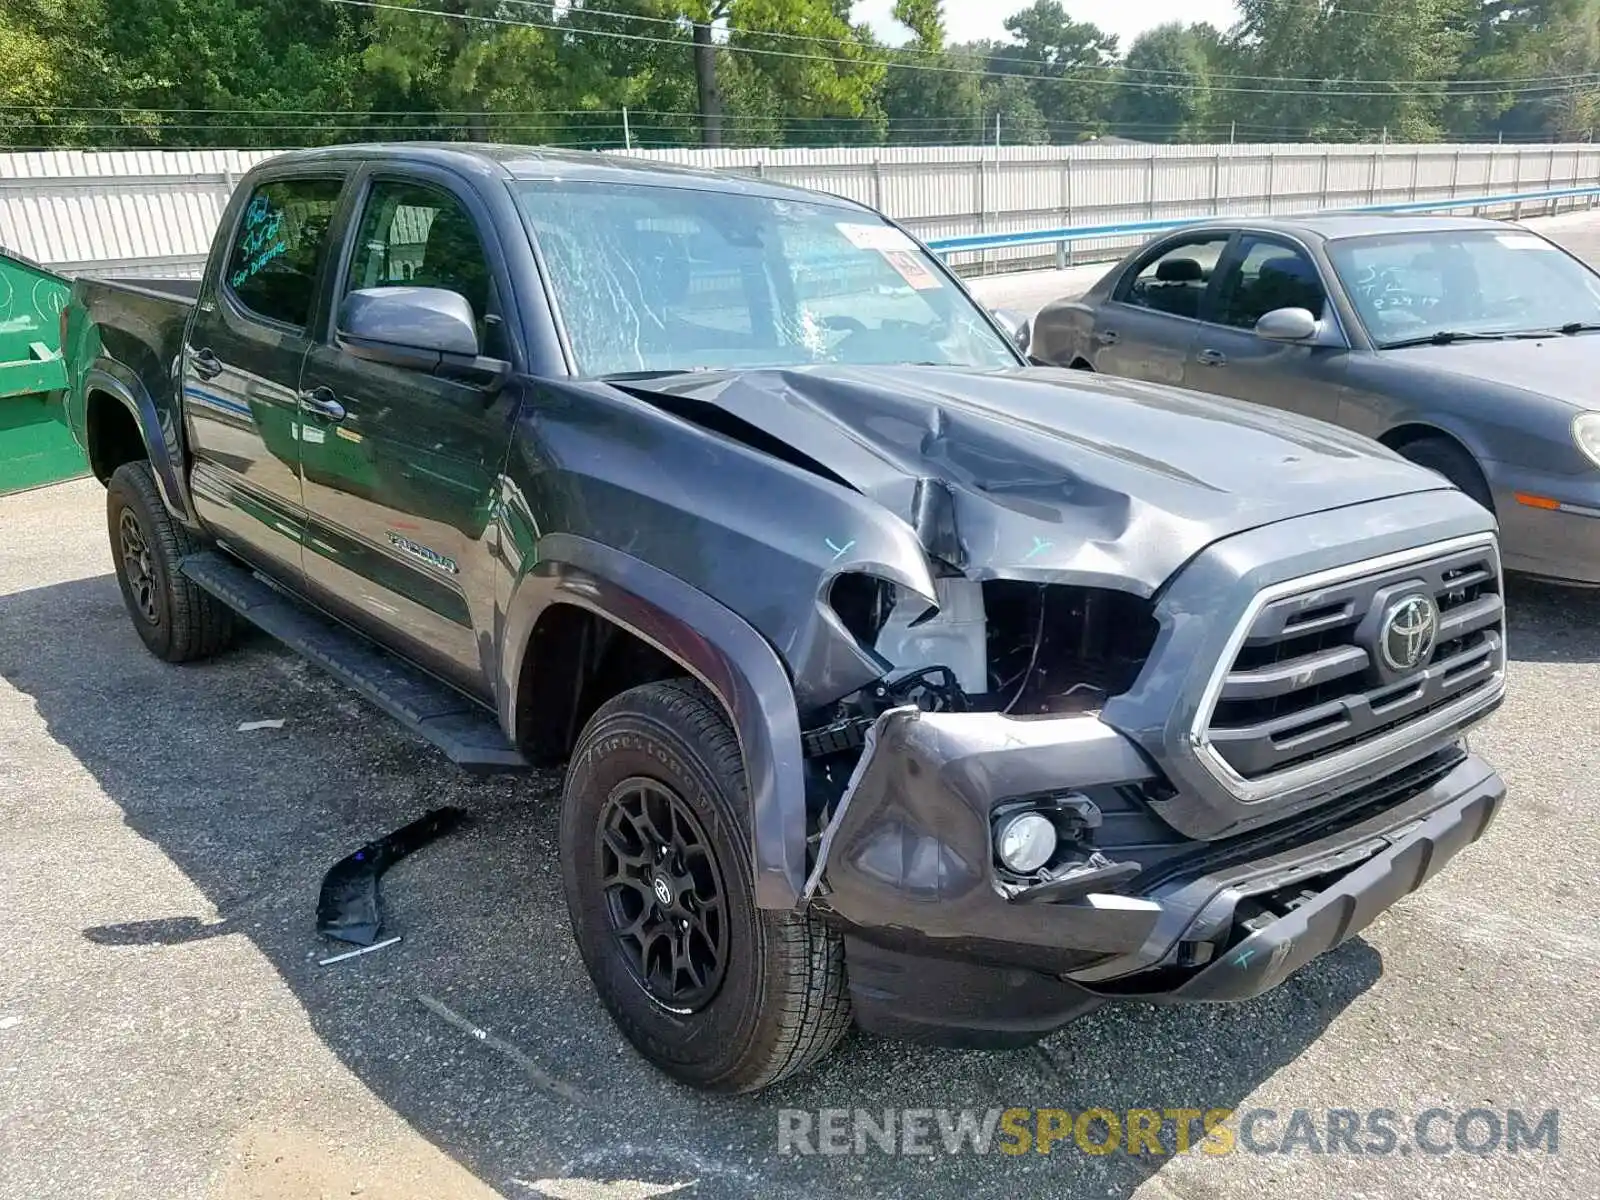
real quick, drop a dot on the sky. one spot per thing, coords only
(969, 20)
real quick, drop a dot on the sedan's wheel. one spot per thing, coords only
(174, 618)
(656, 864)
(1447, 458)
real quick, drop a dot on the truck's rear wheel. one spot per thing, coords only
(175, 619)
(655, 848)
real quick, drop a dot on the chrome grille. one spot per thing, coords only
(1309, 677)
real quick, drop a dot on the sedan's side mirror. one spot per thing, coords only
(420, 328)
(1288, 325)
(1018, 326)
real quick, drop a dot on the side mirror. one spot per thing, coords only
(1288, 325)
(1018, 326)
(419, 328)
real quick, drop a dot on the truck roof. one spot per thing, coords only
(542, 162)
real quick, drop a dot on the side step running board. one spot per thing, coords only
(468, 734)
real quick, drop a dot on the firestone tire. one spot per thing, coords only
(177, 621)
(755, 995)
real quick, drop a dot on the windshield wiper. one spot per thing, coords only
(1444, 337)
(1572, 327)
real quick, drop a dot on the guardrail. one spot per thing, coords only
(1061, 237)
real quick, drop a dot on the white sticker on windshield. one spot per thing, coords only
(883, 238)
(1519, 241)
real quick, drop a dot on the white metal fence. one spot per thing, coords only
(153, 212)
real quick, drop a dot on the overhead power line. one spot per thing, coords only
(1415, 86)
(923, 52)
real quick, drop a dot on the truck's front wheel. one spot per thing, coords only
(174, 618)
(655, 848)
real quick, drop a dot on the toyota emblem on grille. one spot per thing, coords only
(1409, 629)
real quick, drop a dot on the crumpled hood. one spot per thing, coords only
(1045, 474)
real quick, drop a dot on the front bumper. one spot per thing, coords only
(1553, 530)
(1402, 859)
(937, 953)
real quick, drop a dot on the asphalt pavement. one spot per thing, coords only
(166, 1029)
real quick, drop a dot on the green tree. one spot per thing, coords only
(232, 72)
(1011, 113)
(931, 96)
(476, 78)
(602, 75)
(1545, 39)
(822, 76)
(43, 73)
(1349, 72)
(1166, 78)
(1067, 63)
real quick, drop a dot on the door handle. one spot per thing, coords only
(205, 363)
(1213, 358)
(323, 402)
(1108, 337)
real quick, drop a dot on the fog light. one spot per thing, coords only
(1025, 842)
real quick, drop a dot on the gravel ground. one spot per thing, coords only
(166, 1030)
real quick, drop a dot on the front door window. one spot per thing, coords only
(1267, 276)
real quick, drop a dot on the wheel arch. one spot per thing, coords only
(115, 396)
(1412, 432)
(674, 624)
(1416, 430)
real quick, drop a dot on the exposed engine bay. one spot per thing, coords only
(1002, 647)
(1007, 646)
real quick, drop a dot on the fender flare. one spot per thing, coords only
(112, 377)
(715, 645)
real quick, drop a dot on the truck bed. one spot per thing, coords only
(140, 323)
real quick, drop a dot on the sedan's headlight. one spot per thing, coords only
(1586, 432)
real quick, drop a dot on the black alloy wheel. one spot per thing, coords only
(656, 863)
(137, 568)
(175, 619)
(664, 894)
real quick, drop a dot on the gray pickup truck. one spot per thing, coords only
(896, 679)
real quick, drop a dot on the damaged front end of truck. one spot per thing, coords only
(1082, 721)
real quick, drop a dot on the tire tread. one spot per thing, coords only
(812, 1001)
(201, 625)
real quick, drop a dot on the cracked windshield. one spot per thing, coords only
(655, 279)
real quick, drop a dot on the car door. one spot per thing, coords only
(400, 466)
(1263, 273)
(1145, 329)
(242, 362)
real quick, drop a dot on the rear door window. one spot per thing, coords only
(1174, 281)
(272, 267)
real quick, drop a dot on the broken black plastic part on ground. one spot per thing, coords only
(348, 909)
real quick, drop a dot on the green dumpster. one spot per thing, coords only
(35, 445)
